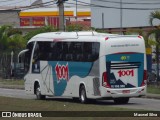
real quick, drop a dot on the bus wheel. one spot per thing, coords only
(75, 99)
(38, 93)
(122, 100)
(82, 95)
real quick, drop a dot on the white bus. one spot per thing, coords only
(85, 65)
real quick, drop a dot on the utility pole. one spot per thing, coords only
(121, 18)
(103, 20)
(61, 14)
(76, 12)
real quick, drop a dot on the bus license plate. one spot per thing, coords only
(126, 91)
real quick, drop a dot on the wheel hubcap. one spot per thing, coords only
(82, 96)
(38, 92)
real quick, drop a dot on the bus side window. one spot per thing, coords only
(95, 51)
(91, 52)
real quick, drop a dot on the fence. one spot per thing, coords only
(9, 66)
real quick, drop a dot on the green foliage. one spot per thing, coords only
(16, 42)
(10, 37)
(153, 89)
(74, 27)
(14, 31)
(44, 29)
(154, 15)
(4, 36)
(101, 31)
(156, 31)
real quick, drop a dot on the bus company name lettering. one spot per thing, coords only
(126, 73)
(62, 72)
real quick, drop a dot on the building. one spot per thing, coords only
(9, 16)
(39, 14)
(50, 16)
(114, 14)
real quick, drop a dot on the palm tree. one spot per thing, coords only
(3, 36)
(156, 33)
(148, 40)
(9, 41)
(6, 32)
(16, 43)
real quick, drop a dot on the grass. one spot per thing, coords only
(153, 89)
(15, 104)
(12, 82)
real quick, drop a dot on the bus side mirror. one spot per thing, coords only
(22, 53)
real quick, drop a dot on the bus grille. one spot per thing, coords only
(124, 65)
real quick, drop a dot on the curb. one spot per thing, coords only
(153, 96)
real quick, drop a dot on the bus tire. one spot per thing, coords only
(82, 95)
(123, 100)
(38, 93)
(75, 99)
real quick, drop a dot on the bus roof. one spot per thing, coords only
(60, 36)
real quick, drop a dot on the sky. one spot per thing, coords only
(29, 2)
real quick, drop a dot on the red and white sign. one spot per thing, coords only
(126, 73)
(53, 21)
(127, 76)
(24, 21)
(62, 72)
(38, 21)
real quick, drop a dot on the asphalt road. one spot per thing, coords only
(135, 103)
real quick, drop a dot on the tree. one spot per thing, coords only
(74, 27)
(16, 42)
(9, 41)
(6, 33)
(156, 33)
(4, 36)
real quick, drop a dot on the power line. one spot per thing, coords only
(46, 4)
(13, 3)
(6, 1)
(141, 3)
(88, 4)
(30, 6)
(127, 8)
